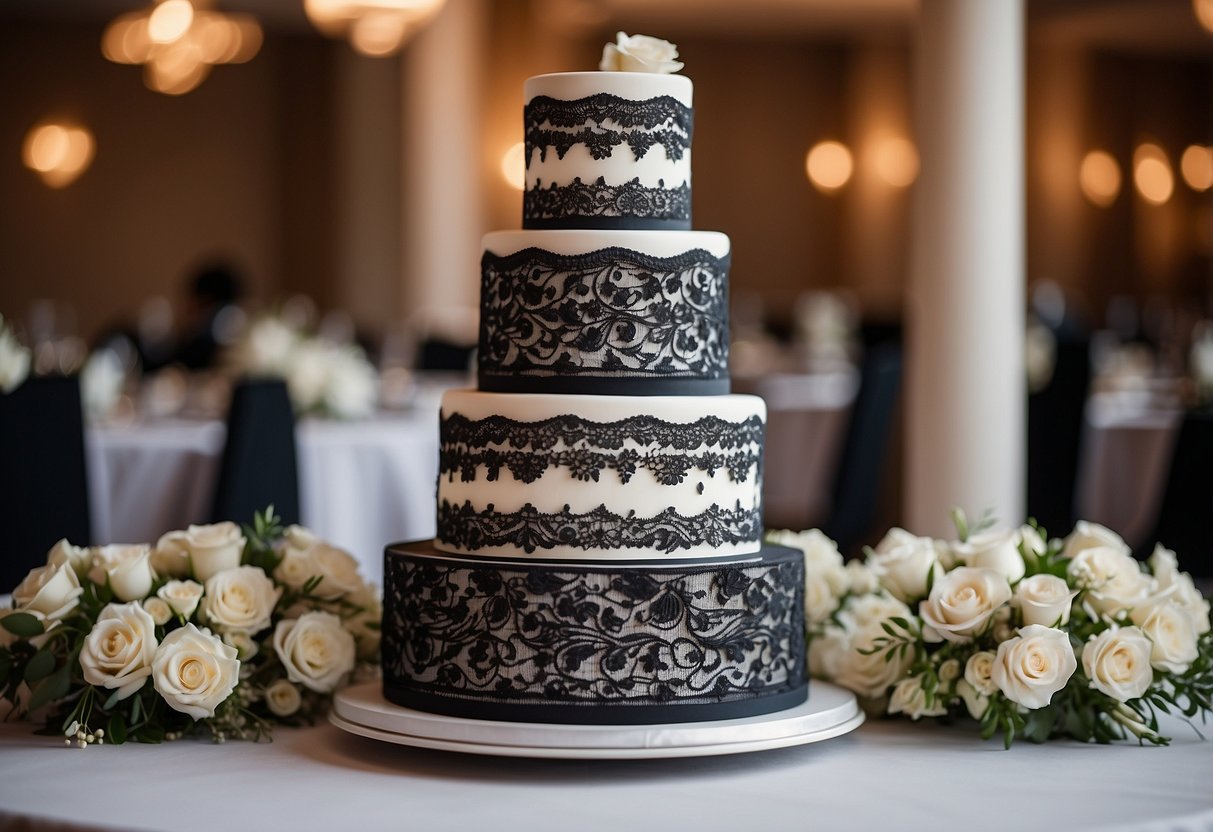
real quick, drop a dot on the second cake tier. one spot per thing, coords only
(600, 477)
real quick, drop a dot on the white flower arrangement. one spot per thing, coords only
(14, 359)
(197, 635)
(1034, 638)
(639, 53)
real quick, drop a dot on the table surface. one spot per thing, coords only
(918, 776)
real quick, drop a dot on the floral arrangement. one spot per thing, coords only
(213, 631)
(639, 53)
(14, 359)
(1033, 638)
(323, 377)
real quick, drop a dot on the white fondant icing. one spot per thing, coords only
(653, 169)
(643, 494)
(634, 86)
(582, 241)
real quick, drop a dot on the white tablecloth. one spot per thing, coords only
(362, 484)
(886, 775)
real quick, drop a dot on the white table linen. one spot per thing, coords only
(885, 775)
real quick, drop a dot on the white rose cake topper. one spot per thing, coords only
(639, 53)
(1033, 637)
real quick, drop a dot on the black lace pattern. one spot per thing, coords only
(492, 634)
(602, 202)
(613, 312)
(603, 122)
(470, 529)
(590, 449)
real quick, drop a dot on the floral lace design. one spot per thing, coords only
(529, 529)
(589, 635)
(612, 312)
(528, 449)
(630, 200)
(603, 122)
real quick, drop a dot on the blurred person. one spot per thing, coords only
(215, 292)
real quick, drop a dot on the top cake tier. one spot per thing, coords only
(608, 150)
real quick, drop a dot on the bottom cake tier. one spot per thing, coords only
(585, 643)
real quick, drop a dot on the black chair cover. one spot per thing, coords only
(258, 468)
(1055, 417)
(1185, 518)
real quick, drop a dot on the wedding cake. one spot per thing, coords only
(599, 554)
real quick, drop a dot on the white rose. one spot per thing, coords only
(294, 568)
(1184, 593)
(997, 550)
(819, 601)
(639, 53)
(170, 557)
(240, 599)
(364, 624)
(315, 650)
(213, 549)
(949, 670)
(194, 671)
(282, 698)
(962, 601)
(1034, 665)
(976, 702)
(337, 568)
(1044, 599)
(1033, 543)
(825, 652)
(50, 591)
(14, 360)
(246, 646)
(979, 672)
(79, 557)
(1112, 579)
(861, 580)
(869, 675)
(1091, 535)
(910, 699)
(182, 596)
(127, 568)
(821, 555)
(903, 568)
(160, 612)
(117, 653)
(1117, 662)
(1173, 644)
(298, 538)
(267, 348)
(862, 610)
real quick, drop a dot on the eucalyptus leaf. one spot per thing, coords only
(22, 624)
(116, 732)
(40, 665)
(51, 688)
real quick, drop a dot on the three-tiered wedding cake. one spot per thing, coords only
(599, 557)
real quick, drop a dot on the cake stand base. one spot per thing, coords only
(829, 712)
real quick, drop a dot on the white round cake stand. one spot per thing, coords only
(829, 712)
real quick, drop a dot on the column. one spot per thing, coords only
(965, 391)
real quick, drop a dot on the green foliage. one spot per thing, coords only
(22, 624)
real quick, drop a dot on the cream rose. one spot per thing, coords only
(364, 624)
(1112, 579)
(1044, 599)
(240, 599)
(976, 702)
(182, 596)
(910, 699)
(1173, 643)
(639, 53)
(1184, 593)
(1117, 662)
(160, 612)
(825, 652)
(246, 646)
(338, 571)
(117, 653)
(79, 557)
(979, 672)
(1033, 543)
(962, 601)
(282, 698)
(170, 558)
(861, 580)
(212, 549)
(824, 574)
(1034, 665)
(194, 671)
(127, 569)
(997, 550)
(904, 567)
(315, 649)
(1092, 535)
(51, 591)
(868, 675)
(863, 610)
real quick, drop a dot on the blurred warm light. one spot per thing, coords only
(1099, 178)
(169, 21)
(1204, 12)
(829, 166)
(513, 166)
(374, 27)
(1152, 174)
(59, 153)
(896, 161)
(178, 44)
(1196, 165)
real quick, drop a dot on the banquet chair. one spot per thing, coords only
(1184, 517)
(258, 467)
(1055, 419)
(43, 482)
(865, 448)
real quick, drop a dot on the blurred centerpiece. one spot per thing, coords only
(375, 28)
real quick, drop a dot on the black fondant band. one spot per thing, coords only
(609, 223)
(649, 714)
(591, 385)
